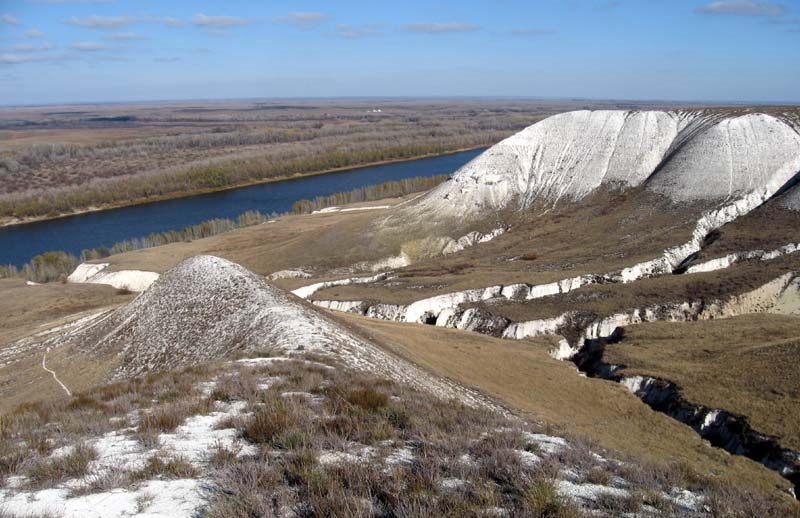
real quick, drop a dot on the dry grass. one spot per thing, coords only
(166, 417)
(744, 364)
(604, 232)
(31, 432)
(523, 376)
(345, 412)
(439, 434)
(170, 468)
(355, 411)
(47, 472)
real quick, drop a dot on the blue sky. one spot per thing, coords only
(118, 50)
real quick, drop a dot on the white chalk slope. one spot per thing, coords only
(206, 308)
(686, 156)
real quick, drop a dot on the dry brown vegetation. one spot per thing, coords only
(309, 410)
(523, 376)
(745, 365)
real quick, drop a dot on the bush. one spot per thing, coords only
(75, 464)
(368, 399)
(156, 467)
(279, 424)
(50, 266)
(8, 271)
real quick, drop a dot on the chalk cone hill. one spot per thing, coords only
(206, 308)
(685, 156)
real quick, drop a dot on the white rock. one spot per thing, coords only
(133, 280)
(685, 156)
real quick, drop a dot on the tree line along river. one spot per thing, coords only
(104, 228)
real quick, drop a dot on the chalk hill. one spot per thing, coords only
(685, 156)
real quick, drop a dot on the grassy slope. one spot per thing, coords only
(745, 365)
(30, 309)
(522, 376)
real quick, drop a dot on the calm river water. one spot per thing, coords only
(75, 233)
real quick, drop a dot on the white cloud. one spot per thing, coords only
(743, 8)
(440, 28)
(34, 33)
(18, 59)
(124, 36)
(102, 22)
(10, 20)
(217, 22)
(170, 59)
(169, 21)
(303, 19)
(32, 47)
(358, 31)
(88, 46)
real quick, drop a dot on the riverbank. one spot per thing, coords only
(10, 221)
(95, 230)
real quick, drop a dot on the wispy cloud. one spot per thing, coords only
(791, 24)
(440, 28)
(171, 59)
(358, 31)
(33, 47)
(34, 33)
(10, 20)
(217, 22)
(169, 21)
(88, 46)
(112, 58)
(124, 36)
(303, 19)
(102, 22)
(532, 32)
(743, 8)
(18, 59)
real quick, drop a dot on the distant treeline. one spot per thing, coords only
(49, 266)
(370, 193)
(57, 265)
(123, 190)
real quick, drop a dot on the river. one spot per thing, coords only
(75, 233)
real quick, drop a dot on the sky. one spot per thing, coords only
(59, 51)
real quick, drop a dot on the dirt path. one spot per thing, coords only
(44, 366)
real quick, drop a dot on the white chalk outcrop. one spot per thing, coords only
(95, 273)
(306, 291)
(296, 273)
(780, 296)
(686, 156)
(445, 310)
(721, 263)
